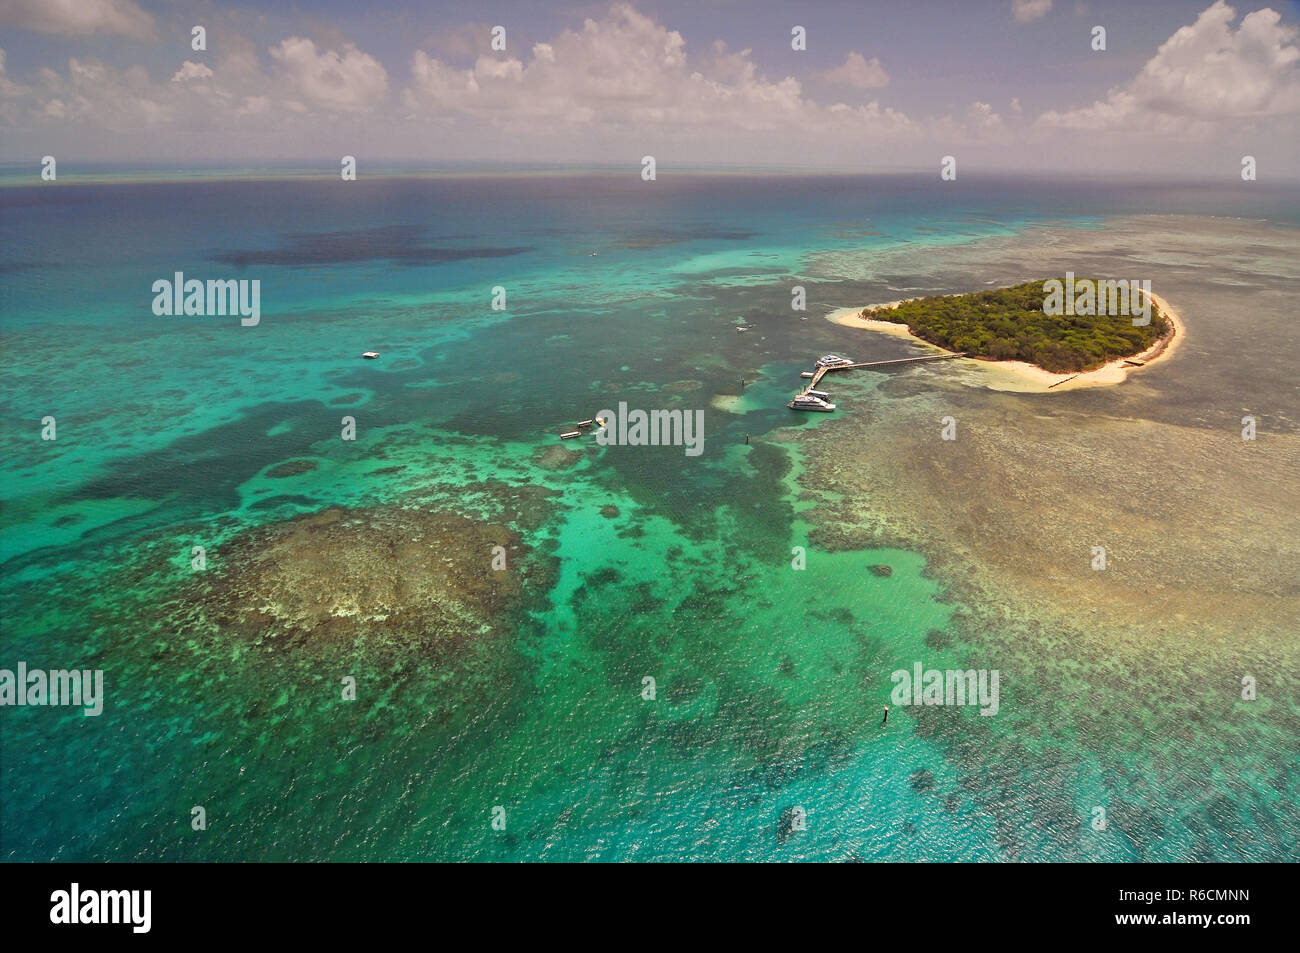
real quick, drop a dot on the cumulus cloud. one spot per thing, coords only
(346, 81)
(978, 122)
(982, 117)
(858, 72)
(117, 98)
(1203, 75)
(306, 88)
(78, 17)
(7, 86)
(622, 84)
(1026, 10)
(10, 94)
(625, 71)
(190, 70)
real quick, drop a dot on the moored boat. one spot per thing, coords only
(809, 402)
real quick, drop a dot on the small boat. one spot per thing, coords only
(742, 327)
(370, 355)
(570, 434)
(808, 402)
(584, 424)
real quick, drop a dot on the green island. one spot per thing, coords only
(1009, 324)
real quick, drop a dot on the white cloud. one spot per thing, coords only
(626, 72)
(622, 84)
(10, 93)
(978, 123)
(8, 87)
(348, 81)
(78, 17)
(116, 98)
(1202, 76)
(253, 106)
(982, 117)
(308, 88)
(190, 70)
(858, 72)
(1026, 10)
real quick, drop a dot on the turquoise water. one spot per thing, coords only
(175, 431)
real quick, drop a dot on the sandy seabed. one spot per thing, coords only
(1139, 665)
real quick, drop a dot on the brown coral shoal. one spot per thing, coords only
(291, 468)
(347, 575)
(557, 457)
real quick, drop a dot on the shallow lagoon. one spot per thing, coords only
(770, 681)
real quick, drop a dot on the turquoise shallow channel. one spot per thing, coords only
(525, 688)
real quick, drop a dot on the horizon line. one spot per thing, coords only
(143, 171)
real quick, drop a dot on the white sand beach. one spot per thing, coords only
(1024, 377)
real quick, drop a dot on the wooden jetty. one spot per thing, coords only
(821, 372)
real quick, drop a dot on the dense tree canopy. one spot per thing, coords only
(1009, 325)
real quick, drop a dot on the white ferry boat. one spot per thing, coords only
(809, 402)
(833, 360)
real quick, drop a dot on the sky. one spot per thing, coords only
(1183, 87)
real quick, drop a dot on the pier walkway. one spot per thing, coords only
(821, 372)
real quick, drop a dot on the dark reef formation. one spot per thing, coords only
(351, 575)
